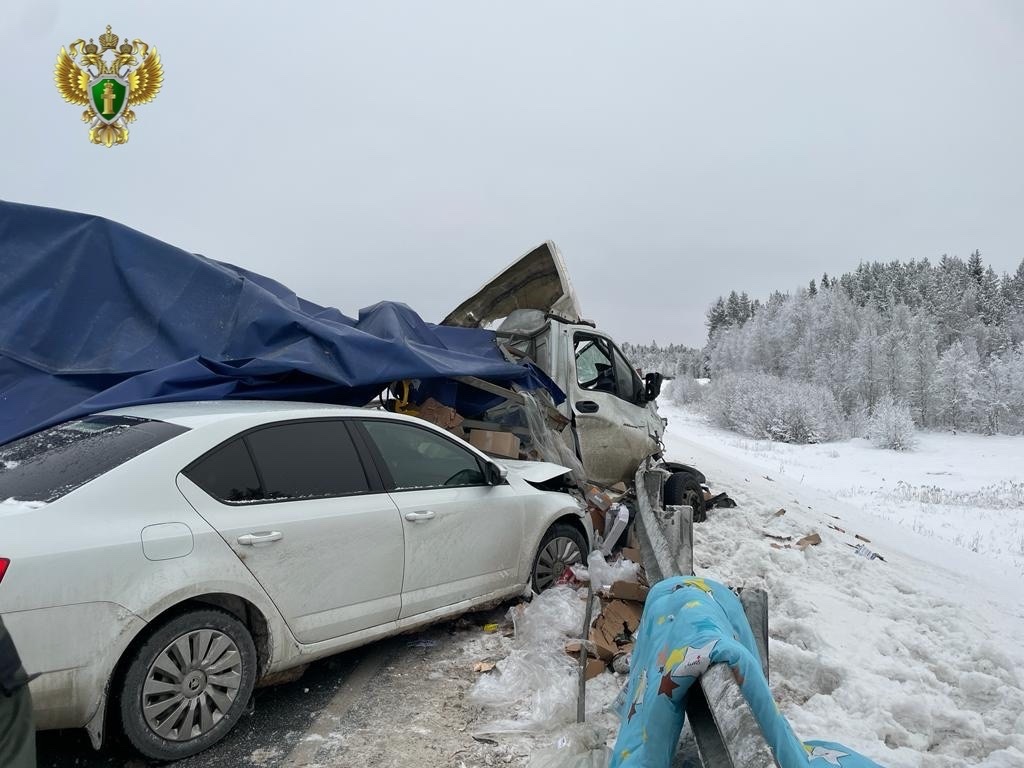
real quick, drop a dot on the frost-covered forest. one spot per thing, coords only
(872, 353)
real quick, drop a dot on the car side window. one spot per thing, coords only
(306, 460)
(227, 474)
(419, 458)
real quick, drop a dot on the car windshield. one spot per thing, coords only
(49, 464)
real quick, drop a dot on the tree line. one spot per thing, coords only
(943, 341)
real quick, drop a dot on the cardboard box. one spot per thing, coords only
(604, 647)
(628, 590)
(503, 444)
(594, 668)
(441, 415)
(615, 617)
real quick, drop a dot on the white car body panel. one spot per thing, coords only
(363, 532)
(469, 547)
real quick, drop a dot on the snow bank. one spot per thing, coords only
(915, 660)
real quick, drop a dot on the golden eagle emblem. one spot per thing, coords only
(108, 84)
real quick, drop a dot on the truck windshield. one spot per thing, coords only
(52, 463)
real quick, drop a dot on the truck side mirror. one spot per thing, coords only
(652, 385)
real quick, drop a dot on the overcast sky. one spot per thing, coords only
(362, 151)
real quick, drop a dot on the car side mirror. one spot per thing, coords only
(496, 474)
(652, 385)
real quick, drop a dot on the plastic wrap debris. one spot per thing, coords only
(581, 746)
(537, 681)
(603, 574)
(548, 444)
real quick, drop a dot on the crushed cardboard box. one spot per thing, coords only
(594, 668)
(628, 590)
(441, 415)
(810, 540)
(503, 444)
(619, 619)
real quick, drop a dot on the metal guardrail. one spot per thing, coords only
(722, 725)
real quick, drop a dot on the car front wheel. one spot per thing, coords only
(562, 546)
(188, 684)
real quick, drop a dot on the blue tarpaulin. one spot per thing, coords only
(95, 315)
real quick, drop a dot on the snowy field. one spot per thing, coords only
(917, 659)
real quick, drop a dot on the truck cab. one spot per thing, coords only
(613, 417)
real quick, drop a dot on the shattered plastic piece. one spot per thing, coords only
(621, 663)
(863, 551)
(491, 627)
(620, 519)
(581, 746)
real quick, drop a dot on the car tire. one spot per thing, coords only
(563, 545)
(683, 490)
(196, 670)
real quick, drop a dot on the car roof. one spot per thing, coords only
(197, 413)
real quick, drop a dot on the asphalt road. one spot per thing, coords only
(279, 718)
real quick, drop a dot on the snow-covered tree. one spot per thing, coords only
(957, 385)
(892, 426)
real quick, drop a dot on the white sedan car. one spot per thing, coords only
(157, 561)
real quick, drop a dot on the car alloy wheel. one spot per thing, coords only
(191, 685)
(561, 547)
(188, 683)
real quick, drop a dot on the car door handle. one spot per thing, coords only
(587, 406)
(260, 537)
(416, 517)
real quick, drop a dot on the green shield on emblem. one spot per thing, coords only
(109, 97)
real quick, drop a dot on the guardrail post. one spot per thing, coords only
(722, 724)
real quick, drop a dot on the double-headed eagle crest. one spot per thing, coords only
(108, 87)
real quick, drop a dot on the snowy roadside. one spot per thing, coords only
(915, 660)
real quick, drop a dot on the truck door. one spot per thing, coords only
(609, 405)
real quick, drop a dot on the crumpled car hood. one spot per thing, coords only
(533, 471)
(538, 280)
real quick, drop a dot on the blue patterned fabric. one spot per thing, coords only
(688, 624)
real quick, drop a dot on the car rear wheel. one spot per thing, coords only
(562, 546)
(187, 685)
(683, 490)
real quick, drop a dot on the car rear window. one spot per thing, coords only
(295, 461)
(52, 463)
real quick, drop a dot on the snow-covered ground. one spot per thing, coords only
(917, 660)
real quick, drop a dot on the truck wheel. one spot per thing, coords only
(683, 490)
(561, 547)
(187, 685)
